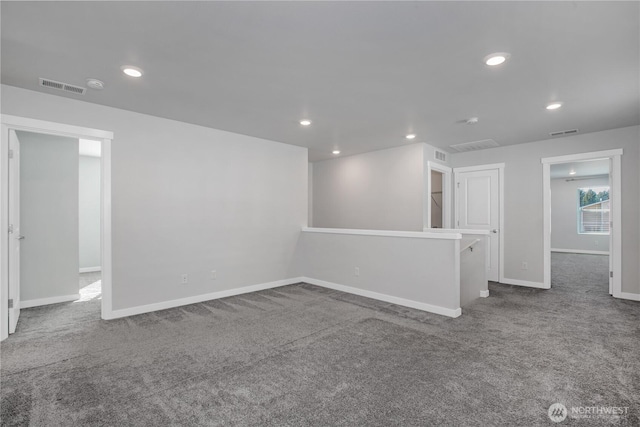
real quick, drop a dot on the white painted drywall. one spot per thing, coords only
(48, 215)
(89, 211)
(188, 199)
(420, 270)
(380, 190)
(473, 267)
(564, 216)
(523, 197)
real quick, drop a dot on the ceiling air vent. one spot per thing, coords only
(79, 90)
(475, 145)
(441, 155)
(564, 132)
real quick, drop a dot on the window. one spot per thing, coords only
(593, 210)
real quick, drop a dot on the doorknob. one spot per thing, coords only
(495, 230)
(20, 237)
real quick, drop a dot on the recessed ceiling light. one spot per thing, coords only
(472, 121)
(572, 173)
(411, 136)
(336, 152)
(305, 122)
(131, 71)
(496, 58)
(554, 105)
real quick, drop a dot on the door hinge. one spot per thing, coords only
(611, 274)
(11, 154)
(10, 302)
(10, 228)
(458, 185)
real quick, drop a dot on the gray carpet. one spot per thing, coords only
(303, 355)
(580, 272)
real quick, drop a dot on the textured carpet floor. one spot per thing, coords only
(304, 355)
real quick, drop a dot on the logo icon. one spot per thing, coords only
(557, 412)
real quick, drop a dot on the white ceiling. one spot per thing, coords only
(365, 73)
(581, 169)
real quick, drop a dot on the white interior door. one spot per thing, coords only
(478, 208)
(15, 237)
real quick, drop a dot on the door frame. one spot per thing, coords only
(8, 122)
(500, 168)
(615, 249)
(446, 194)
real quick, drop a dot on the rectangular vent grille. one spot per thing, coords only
(441, 156)
(475, 145)
(564, 132)
(62, 86)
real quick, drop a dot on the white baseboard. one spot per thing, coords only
(629, 296)
(90, 269)
(387, 298)
(580, 251)
(46, 301)
(484, 294)
(526, 283)
(131, 311)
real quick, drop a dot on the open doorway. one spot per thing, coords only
(596, 209)
(13, 236)
(437, 199)
(59, 199)
(580, 226)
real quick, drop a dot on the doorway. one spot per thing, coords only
(480, 206)
(11, 236)
(438, 196)
(581, 213)
(580, 225)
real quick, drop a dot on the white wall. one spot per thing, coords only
(523, 233)
(188, 199)
(564, 216)
(415, 269)
(89, 211)
(379, 190)
(49, 216)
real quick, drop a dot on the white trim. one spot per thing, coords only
(46, 301)
(105, 224)
(385, 233)
(593, 155)
(615, 249)
(90, 269)
(52, 128)
(4, 235)
(501, 236)
(387, 298)
(629, 296)
(526, 283)
(484, 294)
(462, 231)
(41, 126)
(447, 178)
(140, 309)
(479, 167)
(579, 251)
